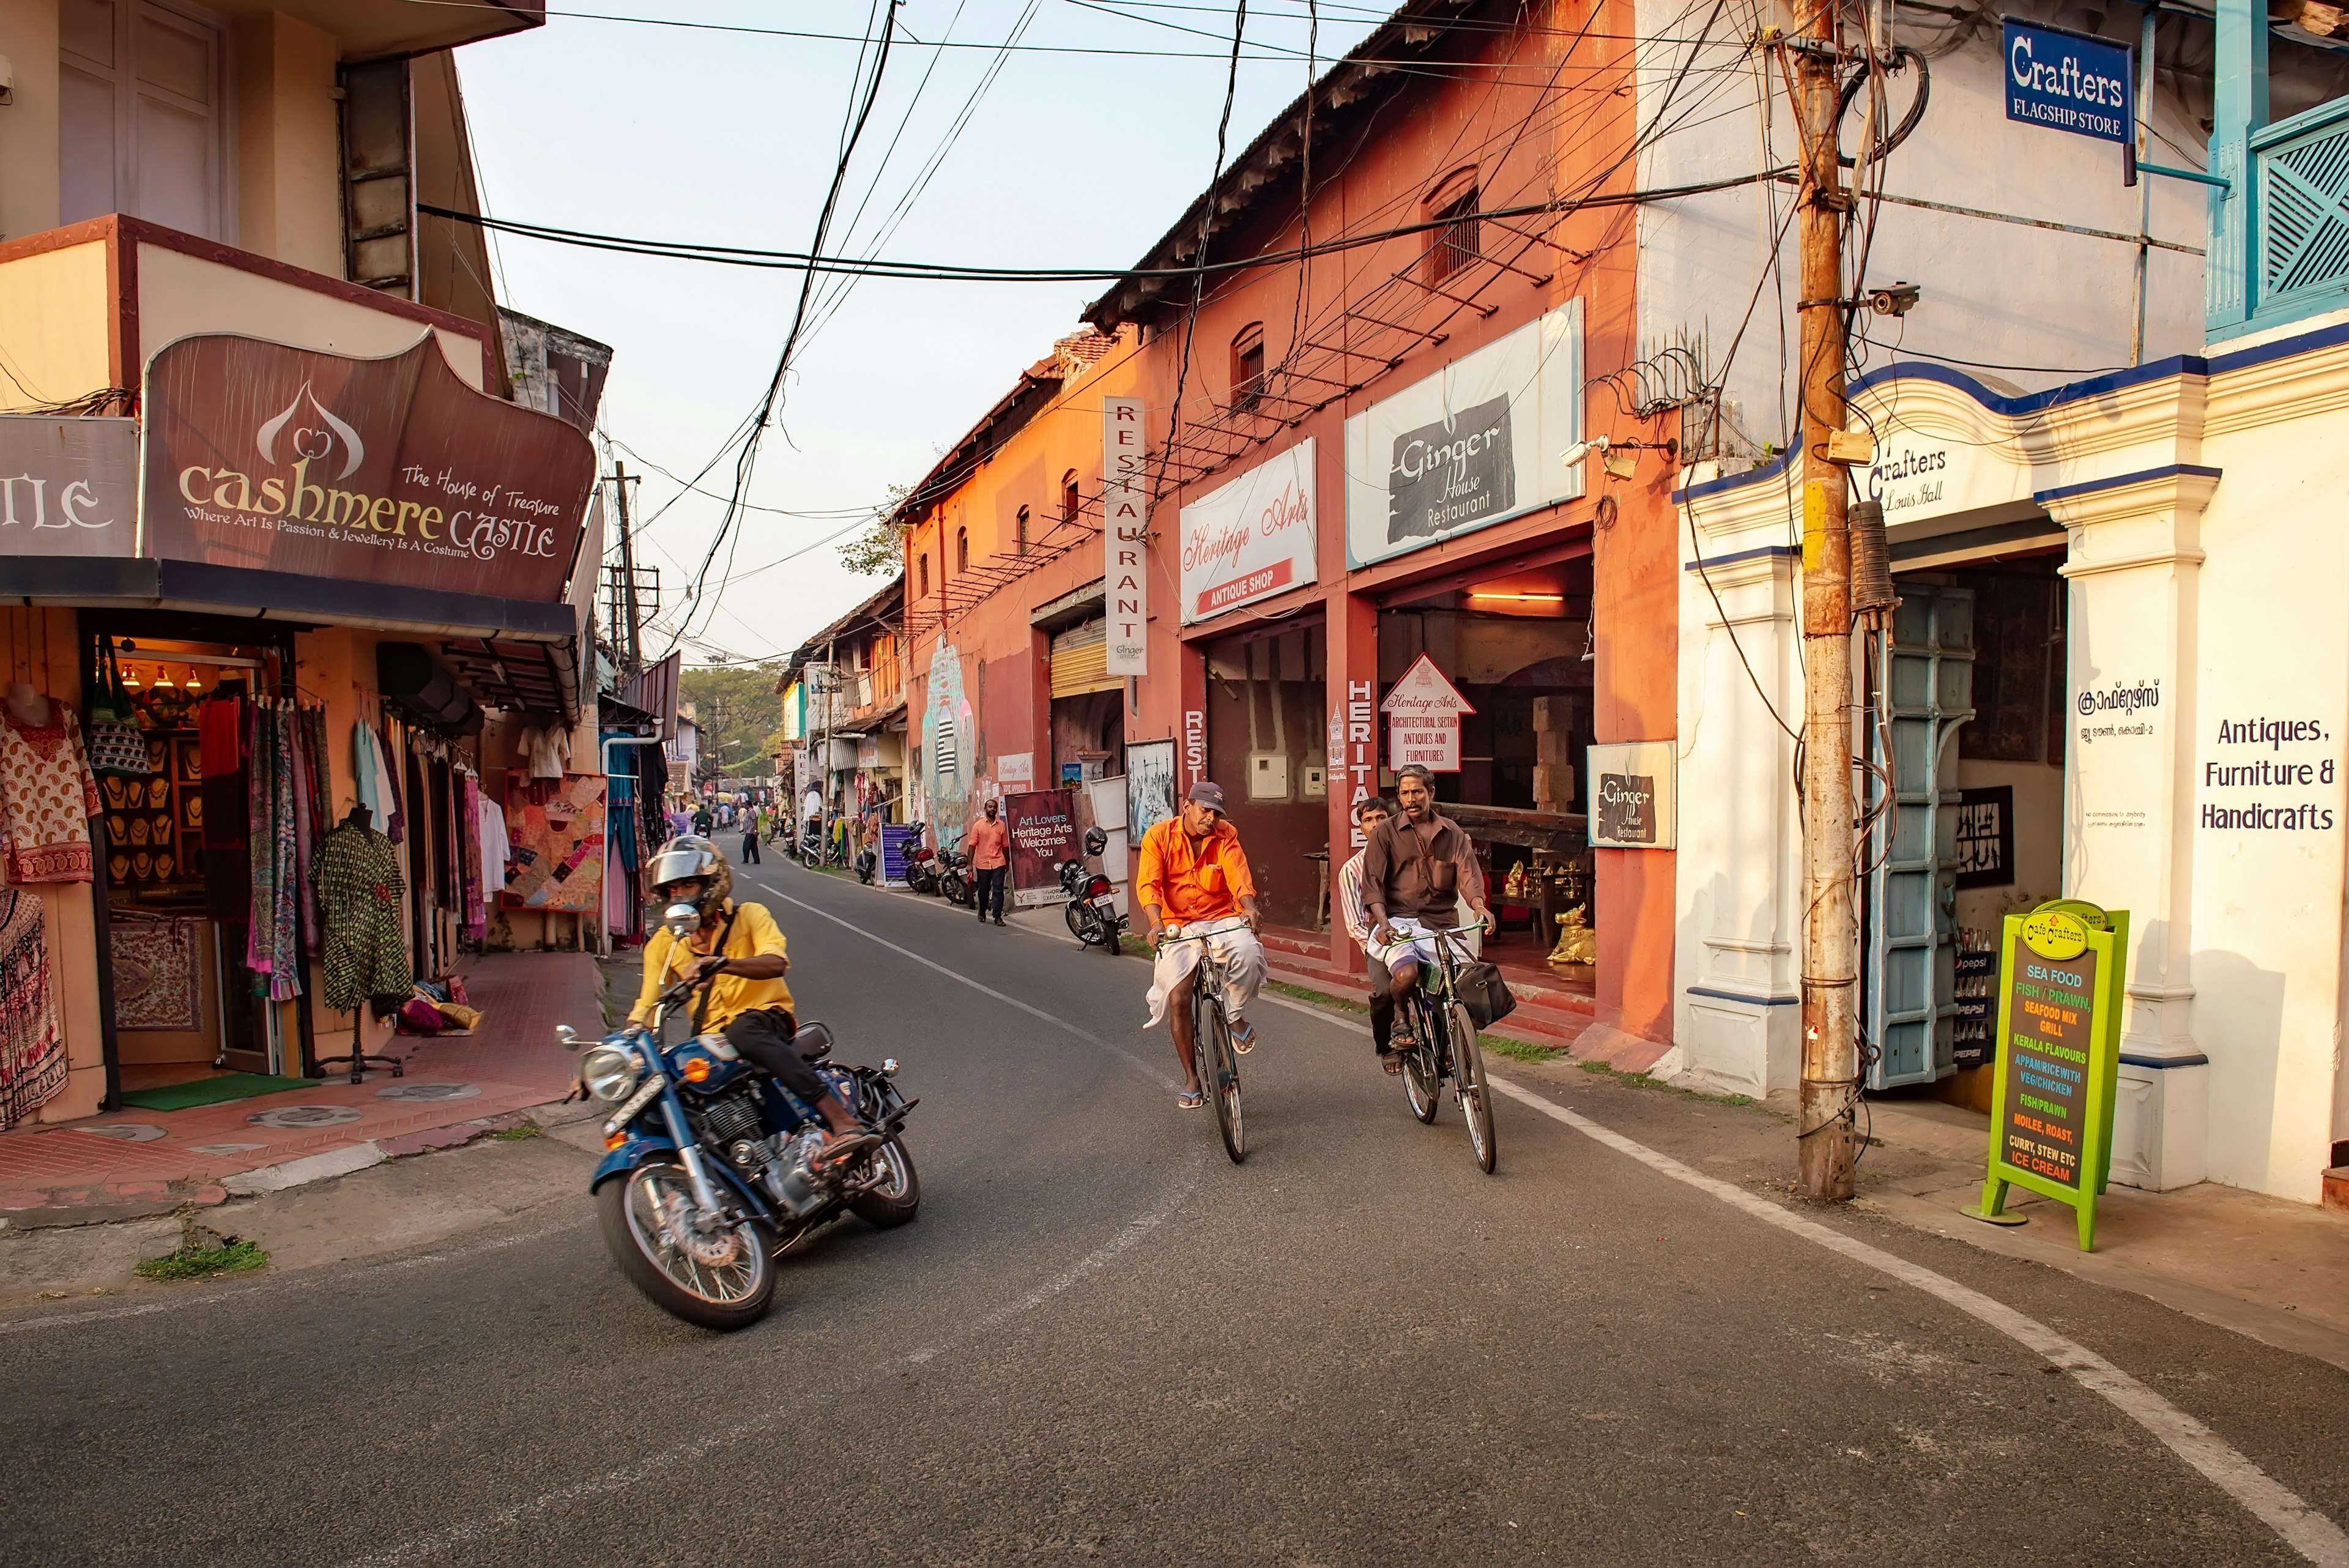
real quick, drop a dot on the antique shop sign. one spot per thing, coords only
(386, 470)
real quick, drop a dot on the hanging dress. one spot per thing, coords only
(365, 953)
(32, 1046)
(48, 795)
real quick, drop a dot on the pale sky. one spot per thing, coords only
(728, 138)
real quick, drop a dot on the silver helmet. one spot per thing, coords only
(687, 856)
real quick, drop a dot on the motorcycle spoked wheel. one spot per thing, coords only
(722, 1282)
(1084, 924)
(898, 1197)
(955, 889)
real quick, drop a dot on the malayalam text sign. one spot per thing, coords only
(2070, 81)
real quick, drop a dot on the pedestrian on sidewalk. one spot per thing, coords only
(1370, 815)
(991, 861)
(751, 838)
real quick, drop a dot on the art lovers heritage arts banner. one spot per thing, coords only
(386, 470)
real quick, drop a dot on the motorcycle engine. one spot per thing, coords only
(732, 1123)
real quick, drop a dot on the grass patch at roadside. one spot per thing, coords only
(1520, 1049)
(1318, 998)
(516, 1134)
(202, 1262)
(1641, 1081)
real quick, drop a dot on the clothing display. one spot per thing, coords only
(227, 809)
(497, 853)
(48, 795)
(471, 902)
(158, 983)
(32, 1045)
(371, 768)
(365, 954)
(270, 941)
(546, 752)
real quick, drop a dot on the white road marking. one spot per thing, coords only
(1158, 1075)
(2309, 1532)
(759, 1429)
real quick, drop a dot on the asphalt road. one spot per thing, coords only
(1102, 1341)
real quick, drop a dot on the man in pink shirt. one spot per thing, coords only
(991, 861)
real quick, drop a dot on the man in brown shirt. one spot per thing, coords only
(1416, 869)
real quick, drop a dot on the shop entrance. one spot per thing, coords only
(1266, 703)
(1517, 645)
(1964, 806)
(176, 862)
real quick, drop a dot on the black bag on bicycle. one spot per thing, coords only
(1483, 991)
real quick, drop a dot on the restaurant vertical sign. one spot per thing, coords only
(2059, 1011)
(1125, 519)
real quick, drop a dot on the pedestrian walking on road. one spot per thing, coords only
(991, 861)
(750, 838)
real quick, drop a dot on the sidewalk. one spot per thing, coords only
(135, 1161)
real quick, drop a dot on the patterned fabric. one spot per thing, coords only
(156, 982)
(32, 1046)
(270, 941)
(359, 889)
(47, 796)
(469, 850)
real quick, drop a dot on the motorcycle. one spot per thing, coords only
(921, 864)
(709, 1176)
(868, 861)
(953, 876)
(1091, 909)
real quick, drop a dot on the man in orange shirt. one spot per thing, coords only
(991, 861)
(1194, 873)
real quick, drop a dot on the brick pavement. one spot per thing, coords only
(141, 1158)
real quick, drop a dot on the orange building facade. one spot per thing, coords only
(1355, 454)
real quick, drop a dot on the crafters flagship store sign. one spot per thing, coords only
(390, 471)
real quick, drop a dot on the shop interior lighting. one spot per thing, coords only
(1521, 599)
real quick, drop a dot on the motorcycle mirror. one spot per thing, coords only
(568, 1035)
(682, 919)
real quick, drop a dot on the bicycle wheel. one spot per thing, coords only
(1469, 1083)
(1219, 1074)
(1423, 1086)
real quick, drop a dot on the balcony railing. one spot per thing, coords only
(2300, 175)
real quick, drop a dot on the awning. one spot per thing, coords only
(136, 582)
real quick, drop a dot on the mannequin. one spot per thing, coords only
(28, 707)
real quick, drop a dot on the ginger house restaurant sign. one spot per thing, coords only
(1423, 711)
(390, 471)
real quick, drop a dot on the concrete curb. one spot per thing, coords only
(308, 1169)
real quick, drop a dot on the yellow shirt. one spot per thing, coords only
(668, 960)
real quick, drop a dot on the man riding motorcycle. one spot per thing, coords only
(747, 1001)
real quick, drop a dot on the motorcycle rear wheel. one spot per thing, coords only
(727, 1294)
(1080, 919)
(955, 889)
(898, 1199)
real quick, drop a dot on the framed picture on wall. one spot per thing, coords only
(1149, 785)
(1631, 804)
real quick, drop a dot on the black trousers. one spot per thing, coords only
(764, 1039)
(989, 884)
(750, 848)
(1381, 1005)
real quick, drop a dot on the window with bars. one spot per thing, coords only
(1456, 244)
(1247, 366)
(1072, 500)
(1019, 532)
(922, 570)
(962, 549)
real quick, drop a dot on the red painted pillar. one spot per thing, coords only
(1352, 685)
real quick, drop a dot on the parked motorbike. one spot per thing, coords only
(921, 864)
(868, 862)
(1091, 909)
(710, 1175)
(953, 876)
(811, 845)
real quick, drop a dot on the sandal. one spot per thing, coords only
(1191, 1099)
(1244, 1038)
(1392, 1063)
(838, 1147)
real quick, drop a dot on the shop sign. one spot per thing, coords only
(2071, 81)
(1125, 525)
(390, 471)
(1472, 445)
(1633, 802)
(1251, 539)
(1149, 785)
(68, 486)
(897, 841)
(1042, 824)
(1015, 769)
(1423, 711)
(2058, 1050)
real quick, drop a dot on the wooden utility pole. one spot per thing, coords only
(1830, 1085)
(630, 640)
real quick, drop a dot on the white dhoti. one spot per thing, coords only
(1232, 945)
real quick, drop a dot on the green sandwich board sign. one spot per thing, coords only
(2059, 1023)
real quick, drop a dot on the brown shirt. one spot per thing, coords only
(1418, 871)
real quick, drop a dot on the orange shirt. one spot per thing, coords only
(990, 844)
(1187, 881)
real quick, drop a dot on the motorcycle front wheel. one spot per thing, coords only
(898, 1197)
(1080, 917)
(721, 1282)
(955, 889)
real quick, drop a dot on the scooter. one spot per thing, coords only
(1091, 909)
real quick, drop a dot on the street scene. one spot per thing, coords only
(1003, 781)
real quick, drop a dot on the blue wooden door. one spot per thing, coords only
(1925, 671)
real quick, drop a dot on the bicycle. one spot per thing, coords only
(1212, 1056)
(1446, 1048)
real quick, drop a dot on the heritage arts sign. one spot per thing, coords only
(1125, 524)
(1473, 444)
(377, 470)
(1251, 539)
(1423, 711)
(2058, 1054)
(1043, 828)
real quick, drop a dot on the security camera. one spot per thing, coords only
(1893, 298)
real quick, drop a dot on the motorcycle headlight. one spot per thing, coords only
(610, 1073)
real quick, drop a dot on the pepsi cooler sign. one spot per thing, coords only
(2069, 81)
